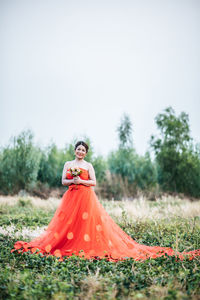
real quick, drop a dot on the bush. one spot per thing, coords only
(19, 164)
(177, 159)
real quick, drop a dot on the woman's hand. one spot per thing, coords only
(77, 180)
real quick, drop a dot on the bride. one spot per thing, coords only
(81, 226)
(81, 150)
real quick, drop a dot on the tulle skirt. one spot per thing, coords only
(81, 226)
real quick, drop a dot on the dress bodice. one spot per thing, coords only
(84, 174)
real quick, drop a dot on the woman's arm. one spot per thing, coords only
(91, 181)
(64, 180)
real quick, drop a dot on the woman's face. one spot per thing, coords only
(80, 152)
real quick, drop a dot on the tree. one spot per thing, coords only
(137, 172)
(19, 163)
(125, 133)
(178, 162)
(146, 173)
(122, 161)
(51, 165)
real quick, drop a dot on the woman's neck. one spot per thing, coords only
(79, 161)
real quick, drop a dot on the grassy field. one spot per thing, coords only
(169, 222)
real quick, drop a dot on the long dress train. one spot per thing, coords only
(82, 227)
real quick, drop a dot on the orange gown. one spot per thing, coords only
(81, 226)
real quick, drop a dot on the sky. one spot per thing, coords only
(70, 69)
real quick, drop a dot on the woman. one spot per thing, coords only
(82, 227)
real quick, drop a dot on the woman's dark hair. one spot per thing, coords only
(83, 144)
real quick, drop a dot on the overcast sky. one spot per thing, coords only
(72, 68)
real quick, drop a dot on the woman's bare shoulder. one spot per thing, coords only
(69, 163)
(89, 165)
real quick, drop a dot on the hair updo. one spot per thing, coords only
(83, 144)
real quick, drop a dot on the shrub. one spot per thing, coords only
(19, 163)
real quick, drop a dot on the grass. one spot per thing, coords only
(166, 222)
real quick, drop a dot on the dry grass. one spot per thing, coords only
(138, 209)
(50, 204)
(141, 208)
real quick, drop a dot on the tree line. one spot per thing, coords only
(175, 167)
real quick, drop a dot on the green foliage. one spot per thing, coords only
(189, 172)
(24, 202)
(177, 160)
(51, 165)
(19, 164)
(174, 130)
(122, 162)
(132, 171)
(145, 172)
(26, 167)
(100, 167)
(114, 187)
(24, 215)
(125, 132)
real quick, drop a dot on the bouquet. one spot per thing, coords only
(75, 172)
